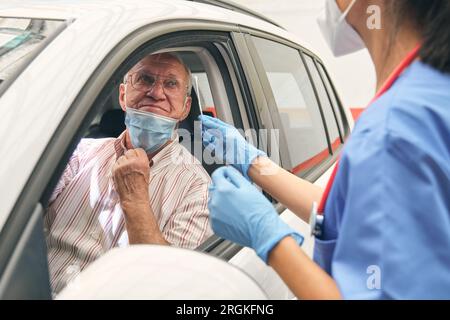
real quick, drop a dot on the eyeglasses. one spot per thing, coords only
(146, 82)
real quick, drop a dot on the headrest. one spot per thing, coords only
(113, 122)
(188, 123)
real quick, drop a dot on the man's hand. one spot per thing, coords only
(131, 175)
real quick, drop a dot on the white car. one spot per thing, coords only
(60, 66)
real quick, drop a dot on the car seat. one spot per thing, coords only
(111, 125)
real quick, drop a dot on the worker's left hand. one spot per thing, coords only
(228, 144)
(240, 213)
(131, 174)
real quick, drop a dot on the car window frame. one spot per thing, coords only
(345, 128)
(331, 146)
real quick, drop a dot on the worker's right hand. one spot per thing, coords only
(228, 145)
(239, 212)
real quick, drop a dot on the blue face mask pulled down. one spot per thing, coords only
(147, 130)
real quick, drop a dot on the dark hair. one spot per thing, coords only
(432, 19)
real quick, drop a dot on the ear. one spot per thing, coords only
(122, 96)
(187, 108)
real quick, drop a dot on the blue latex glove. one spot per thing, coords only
(228, 145)
(240, 213)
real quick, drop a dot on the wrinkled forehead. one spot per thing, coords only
(162, 64)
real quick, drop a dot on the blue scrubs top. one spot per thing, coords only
(387, 219)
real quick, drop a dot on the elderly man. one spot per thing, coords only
(141, 188)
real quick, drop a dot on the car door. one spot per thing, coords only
(23, 260)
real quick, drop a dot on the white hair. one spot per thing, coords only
(176, 57)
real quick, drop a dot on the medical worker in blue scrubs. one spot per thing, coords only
(386, 210)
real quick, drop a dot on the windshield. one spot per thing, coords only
(20, 40)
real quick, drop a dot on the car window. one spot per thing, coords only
(99, 144)
(87, 191)
(20, 39)
(325, 103)
(296, 102)
(334, 99)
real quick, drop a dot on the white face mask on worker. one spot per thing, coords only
(340, 36)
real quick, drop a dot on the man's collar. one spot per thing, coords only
(165, 155)
(119, 145)
(161, 159)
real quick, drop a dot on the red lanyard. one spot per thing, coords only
(410, 58)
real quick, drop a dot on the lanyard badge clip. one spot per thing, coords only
(316, 221)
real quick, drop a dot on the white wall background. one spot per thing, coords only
(353, 75)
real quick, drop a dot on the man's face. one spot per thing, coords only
(157, 84)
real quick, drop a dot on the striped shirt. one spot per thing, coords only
(85, 219)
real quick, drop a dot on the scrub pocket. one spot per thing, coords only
(323, 253)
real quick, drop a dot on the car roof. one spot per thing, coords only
(225, 11)
(230, 5)
(238, 8)
(94, 28)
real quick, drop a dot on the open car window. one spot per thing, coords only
(103, 224)
(20, 40)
